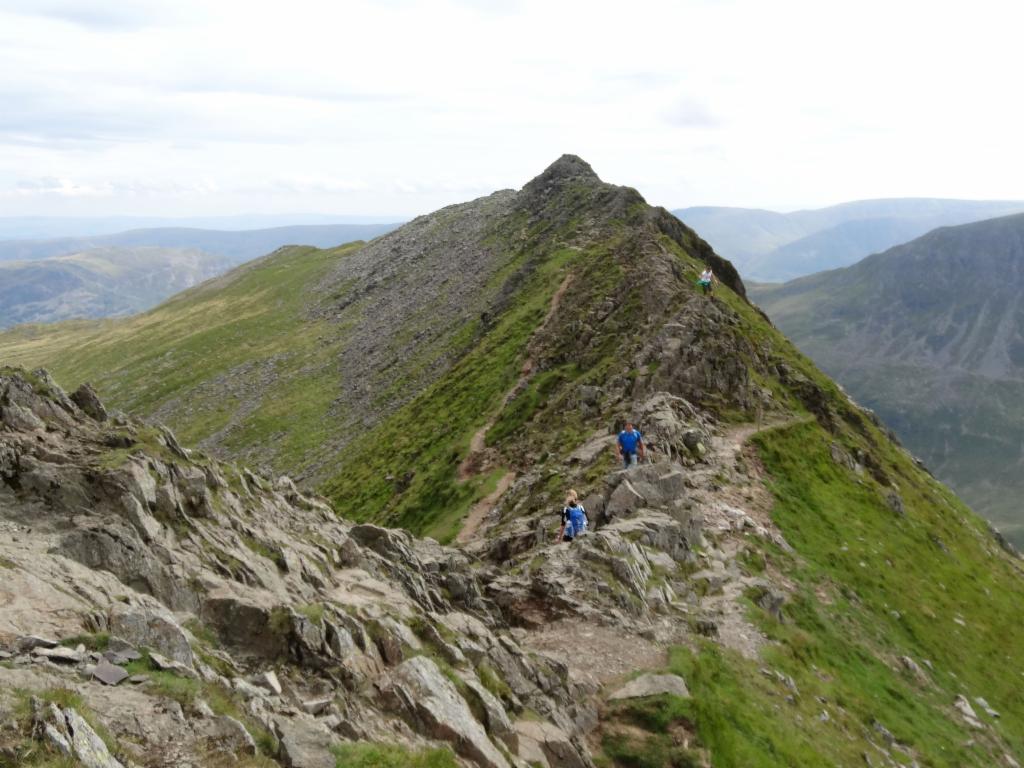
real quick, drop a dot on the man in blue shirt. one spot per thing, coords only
(631, 444)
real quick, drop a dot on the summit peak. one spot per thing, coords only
(563, 169)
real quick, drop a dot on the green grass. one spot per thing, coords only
(361, 755)
(431, 434)
(94, 642)
(870, 587)
(255, 317)
(186, 691)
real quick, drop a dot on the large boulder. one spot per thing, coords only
(432, 705)
(151, 628)
(651, 685)
(305, 743)
(85, 397)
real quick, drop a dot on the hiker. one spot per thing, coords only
(630, 444)
(707, 281)
(574, 519)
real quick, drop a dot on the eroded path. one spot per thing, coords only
(476, 460)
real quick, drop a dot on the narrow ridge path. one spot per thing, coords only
(474, 461)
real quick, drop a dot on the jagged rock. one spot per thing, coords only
(247, 689)
(27, 643)
(498, 723)
(317, 706)
(895, 502)
(72, 736)
(243, 623)
(269, 681)
(16, 417)
(170, 665)
(550, 743)
(985, 707)
(967, 711)
(227, 734)
(912, 666)
(85, 397)
(432, 705)
(624, 500)
(651, 685)
(153, 629)
(305, 743)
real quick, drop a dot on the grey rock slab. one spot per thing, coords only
(435, 704)
(269, 681)
(305, 743)
(552, 741)
(151, 628)
(60, 654)
(109, 674)
(165, 664)
(317, 706)
(651, 685)
(498, 723)
(26, 643)
(228, 735)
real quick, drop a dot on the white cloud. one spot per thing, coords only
(399, 107)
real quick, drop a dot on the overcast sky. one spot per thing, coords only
(396, 107)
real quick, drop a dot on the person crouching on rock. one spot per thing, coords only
(574, 518)
(630, 445)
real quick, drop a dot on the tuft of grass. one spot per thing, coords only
(273, 554)
(364, 755)
(98, 641)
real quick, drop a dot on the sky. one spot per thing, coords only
(397, 107)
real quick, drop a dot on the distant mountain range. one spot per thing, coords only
(49, 227)
(234, 245)
(107, 275)
(931, 335)
(102, 282)
(768, 246)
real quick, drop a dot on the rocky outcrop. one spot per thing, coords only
(247, 588)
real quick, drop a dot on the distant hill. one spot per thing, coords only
(236, 246)
(102, 282)
(773, 247)
(50, 227)
(930, 334)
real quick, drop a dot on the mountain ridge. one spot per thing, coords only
(810, 594)
(929, 334)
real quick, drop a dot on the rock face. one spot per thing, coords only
(652, 685)
(249, 589)
(432, 702)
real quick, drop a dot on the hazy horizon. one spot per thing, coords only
(181, 110)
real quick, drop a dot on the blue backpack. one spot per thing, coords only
(577, 519)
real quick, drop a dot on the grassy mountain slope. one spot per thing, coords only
(774, 247)
(234, 245)
(102, 282)
(373, 369)
(931, 335)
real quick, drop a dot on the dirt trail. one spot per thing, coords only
(474, 461)
(731, 513)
